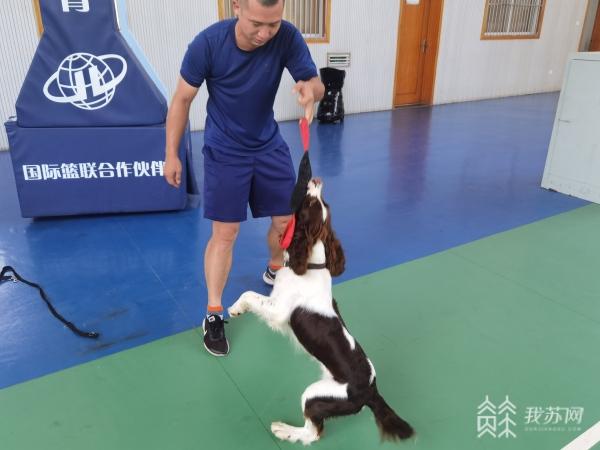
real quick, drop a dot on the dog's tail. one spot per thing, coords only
(391, 427)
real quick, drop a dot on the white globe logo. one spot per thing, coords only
(85, 81)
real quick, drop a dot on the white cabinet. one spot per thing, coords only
(573, 161)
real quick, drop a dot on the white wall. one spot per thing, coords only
(18, 40)
(469, 68)
(368, 30)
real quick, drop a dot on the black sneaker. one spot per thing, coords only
(269, 276)
(215, 341)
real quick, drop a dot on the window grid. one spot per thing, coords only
(512, 19)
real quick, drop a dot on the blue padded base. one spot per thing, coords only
(70, 171)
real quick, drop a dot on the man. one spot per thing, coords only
(246, 160)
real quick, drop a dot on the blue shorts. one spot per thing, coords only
(231, 182)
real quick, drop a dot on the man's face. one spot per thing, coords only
(257, 24)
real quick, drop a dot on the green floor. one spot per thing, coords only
(516, 314)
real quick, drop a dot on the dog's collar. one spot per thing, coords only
(311, 266)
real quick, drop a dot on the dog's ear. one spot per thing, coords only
(299, 249)
(334, 253)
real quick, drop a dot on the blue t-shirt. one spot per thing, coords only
(242, 84)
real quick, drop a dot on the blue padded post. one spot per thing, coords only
(84, 73)
(89, 136)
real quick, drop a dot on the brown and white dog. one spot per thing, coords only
(302, 306)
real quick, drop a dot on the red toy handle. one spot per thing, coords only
(304, 133)
(288, 234)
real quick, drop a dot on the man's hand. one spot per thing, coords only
(306, 98)
(172, 170)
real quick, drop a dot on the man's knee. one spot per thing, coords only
(279, 223)
(225, 234)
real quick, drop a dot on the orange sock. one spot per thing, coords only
(216, 310)
(274, 267)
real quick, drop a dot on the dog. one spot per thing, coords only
(301, 305)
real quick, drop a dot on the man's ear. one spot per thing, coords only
(236, 7)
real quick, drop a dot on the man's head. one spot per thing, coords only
(258, 21)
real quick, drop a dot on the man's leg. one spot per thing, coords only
(272, 187)
(217, 264)
(278, 225)
(218, 258)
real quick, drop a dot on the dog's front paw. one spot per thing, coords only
(238, 308)
(242, 304)
(249, 296)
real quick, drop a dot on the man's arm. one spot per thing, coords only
(177, 119)
(309, 92)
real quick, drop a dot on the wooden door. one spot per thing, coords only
(595, 42)
(416, 54)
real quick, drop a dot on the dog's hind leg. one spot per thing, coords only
(306, 434)
(318, 409)
(326, 389)
(321, 400)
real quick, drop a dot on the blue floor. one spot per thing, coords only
(402, 184)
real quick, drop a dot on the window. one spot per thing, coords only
(512, 19)
(311, 17)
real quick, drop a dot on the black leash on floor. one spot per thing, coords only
(16, 277)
